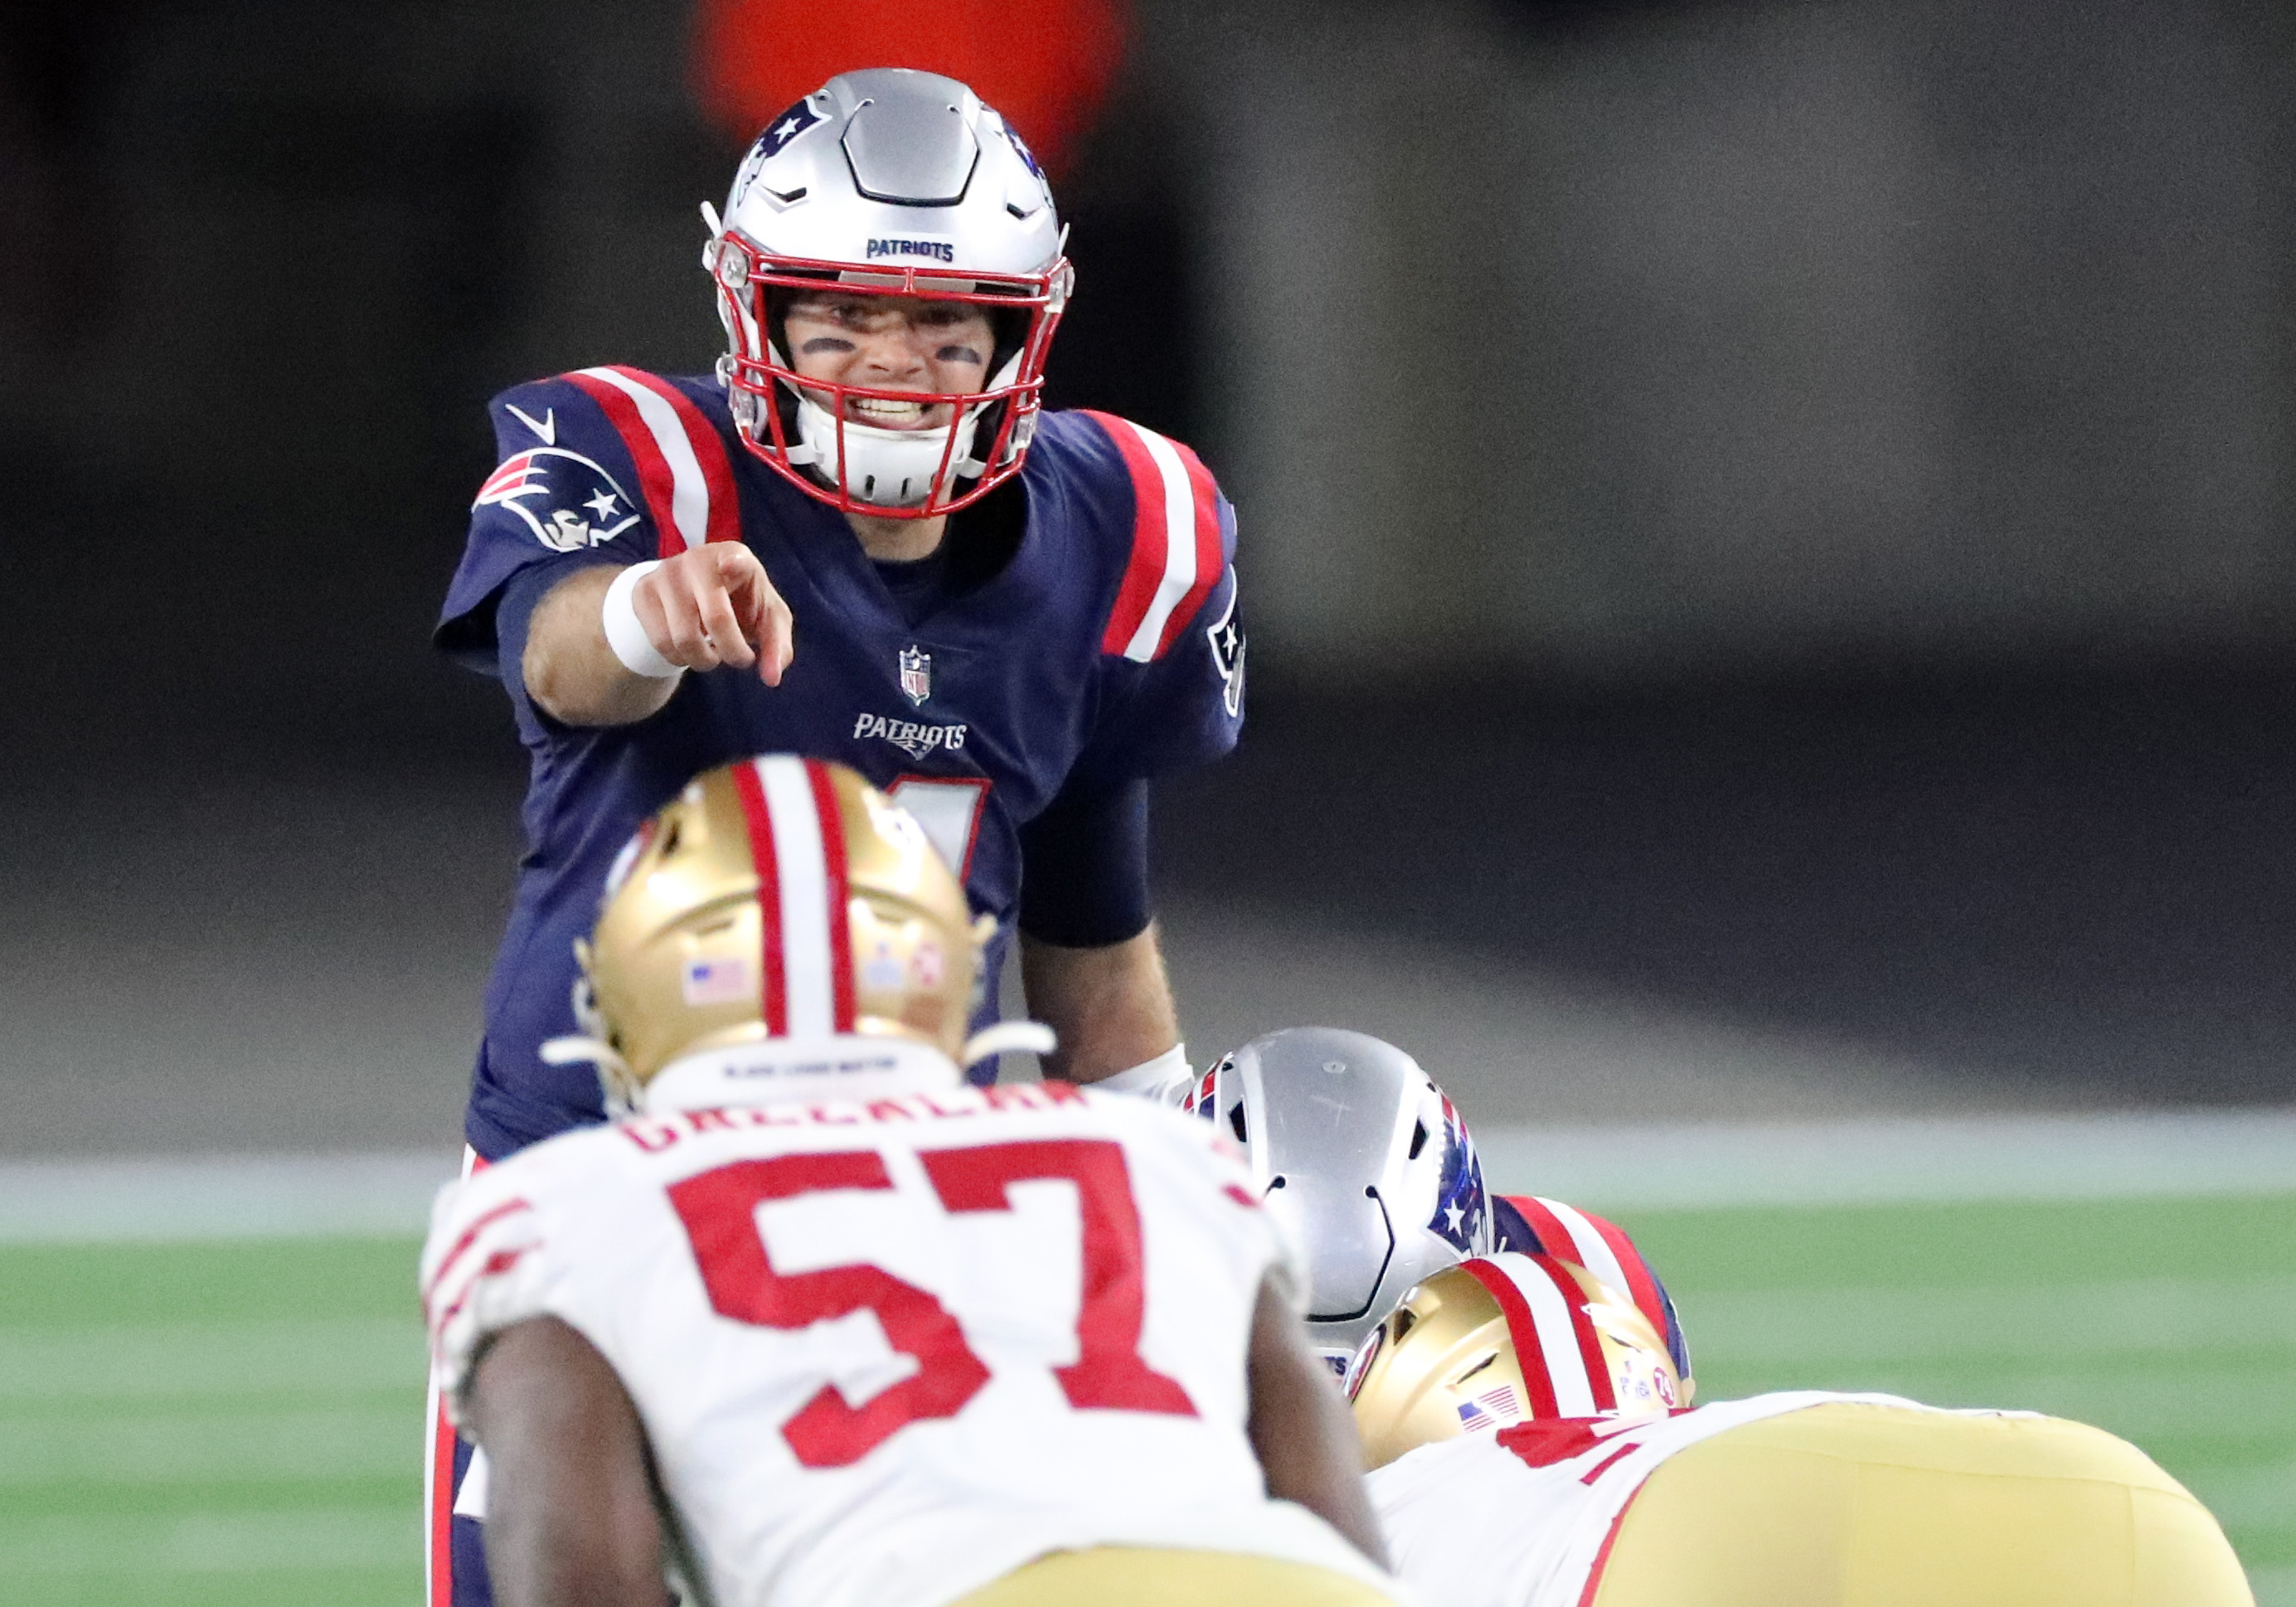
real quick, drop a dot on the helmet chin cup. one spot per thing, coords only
(884, 468)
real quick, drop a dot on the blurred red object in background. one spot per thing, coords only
(1045, 64)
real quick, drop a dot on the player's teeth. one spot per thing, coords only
(889, 409)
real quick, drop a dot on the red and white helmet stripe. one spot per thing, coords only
(797, 844)
(684, 473)
(1600, 1248)
(1555, 1344)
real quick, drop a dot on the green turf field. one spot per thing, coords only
(213, 1423)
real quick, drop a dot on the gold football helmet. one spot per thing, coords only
(774, 899)
(1500, 1339)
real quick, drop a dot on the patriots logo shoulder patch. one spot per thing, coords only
(566, 501)
(1226, 636)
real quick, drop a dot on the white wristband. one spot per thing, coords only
(1165, 1080)
(625, 634)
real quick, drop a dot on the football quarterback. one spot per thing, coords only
(860, 536)
(1372, 1168)
(1529, 1449)
(825, 1326)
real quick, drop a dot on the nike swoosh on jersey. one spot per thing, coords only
(547, 429)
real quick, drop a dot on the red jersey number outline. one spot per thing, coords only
(936, 803)
(719, 1210)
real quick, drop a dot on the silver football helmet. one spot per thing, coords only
(1363, 1158)
(904, 183)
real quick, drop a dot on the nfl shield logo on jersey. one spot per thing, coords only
(916, 674)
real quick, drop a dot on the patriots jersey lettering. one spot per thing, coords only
(1105, 648)
(911, 737)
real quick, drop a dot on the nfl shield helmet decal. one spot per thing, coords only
(916, 675)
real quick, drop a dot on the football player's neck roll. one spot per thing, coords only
(779, 930)
(890, 273)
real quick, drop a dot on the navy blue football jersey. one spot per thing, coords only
(1105, 648)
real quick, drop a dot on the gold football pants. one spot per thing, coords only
(1850, 1505)
(1127, 1576)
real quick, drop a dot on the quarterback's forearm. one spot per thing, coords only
(570, 1507)
(570, 671)
(1110, 1007)
(1301, 1429)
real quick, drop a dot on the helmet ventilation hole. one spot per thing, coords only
(1406, 1319)
(669, 838)
(1418, 1141)
(1235, 1122)
(1478, 1367)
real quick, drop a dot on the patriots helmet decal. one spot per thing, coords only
(1460, 1202)
(1203, 1099)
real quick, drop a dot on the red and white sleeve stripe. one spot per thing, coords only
(797, 842)
(1176, 556)
(684, 473)
(1554, 1341)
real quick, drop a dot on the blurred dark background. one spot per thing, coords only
(1766, 532)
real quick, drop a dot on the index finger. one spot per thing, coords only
(776, 640)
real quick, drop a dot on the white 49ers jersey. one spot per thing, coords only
(1524, 1517)
(889, 1352)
